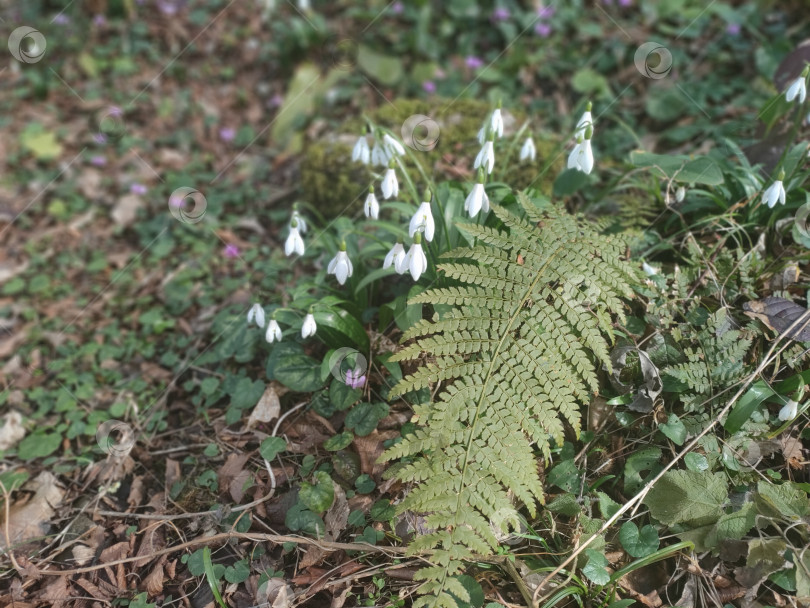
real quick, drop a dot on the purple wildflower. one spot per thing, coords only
(625, 2)
(227, 134)
(137, 189)
(397, 8)
(354, 379)
(176, 201)
(61, 19)
(99, 20)
(98, 161)
(429, 86)
(501, 14)
(99, 138)
(473, 62)
(231, 251)
(733, 29)
(542, 29)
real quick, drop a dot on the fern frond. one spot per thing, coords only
(517, 356)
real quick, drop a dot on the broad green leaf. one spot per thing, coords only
(643, 460)
(382, 510)
(638, 543)
(687, 497)
(338, 328)
(42, 144)
(766, 554)
(696, 462)
(473, 590)
(386, 69)
(363, 417)
(317, 496)
(301, 519)
(342, 395)
(700, 170)
(674, 429)
(596, 568)
(289, 365)
(785, 500)
(271, 447)
(38, 445)
(247, 393)
(338, 442)
(733, 525)
(607, 505)
(748, 403)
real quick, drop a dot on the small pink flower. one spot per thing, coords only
(137, 189)
(99, 20)
(473, 62)
(176, 201)
(99, 138)
(501, 14)
(231, 251)
(429, 86)
(227, 134)
(733, 29)
(546, 12)
(98, 161)
(542, 29)
(354, 379)
(397, 8)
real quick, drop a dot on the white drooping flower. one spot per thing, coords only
(361, 151)
(496, 122)
(680, 194)
(422, 221)
(775, 192)
(273, 333)
(392, 146)
(789, 411)
(256, 313)
(486, 157)
(341, 265)
(581, 157)
(585, 121)
(294, 241)
(379, 155)
(389, 185)
(477, 200)
(309, 327)
(649, 270)
(528, 151)
(798, 87)
(416, 260)
(397, 257)
(482, 135)
(371, 207)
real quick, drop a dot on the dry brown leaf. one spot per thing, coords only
(238, 485)
(234, 464)
(12, 430)
(153, 541)
(29, 520)
(314, 555)
(93, 590)
(792, 451)
(56, 592)
(82, 554)
(115, 552)
(369, 448)
(154, 582)
(337, 516)
(172, 472)
(268, 408)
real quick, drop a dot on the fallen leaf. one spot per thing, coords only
(268, 408)
(779, 315)
(12, 430)
(29, 520)
(337, 517)
(126, 209)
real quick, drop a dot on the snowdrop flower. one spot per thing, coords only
(256, 312)
(309, 327)
(649, 270)
(789, 411)
(397, 257)
(389, 186)
(486, 156)
(477, 199)
(273, 333)
(798, 87)
(341, 265)
(379, 155)
(775, 192)
(482, 135)
(361, 151)
(585, 121)
(422, 220)
(371, 207)
(528, 151)
(302, 224)
(581, 157)
(294, 241)
(392, 146)
(680, 194)
(496, 121)
(416, 260)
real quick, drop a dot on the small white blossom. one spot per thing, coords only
(256, 312)
(389, 186)
(528, 150)
(422, 220)
(302, 223)
(649, 270)
(397, 257)
(486, 157)
(273, 333)
(416, 261)
(361, 150)
(789, 411)
(379, 155)
(340, 266)
(797, 88)
(581, 157)
(476, 200)
(482, 135)
(371, 207)
(309, 327)
(392, 146)
(294, 242)
(585, 121)
(775, 192)
(680, 194)
(496, 122)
